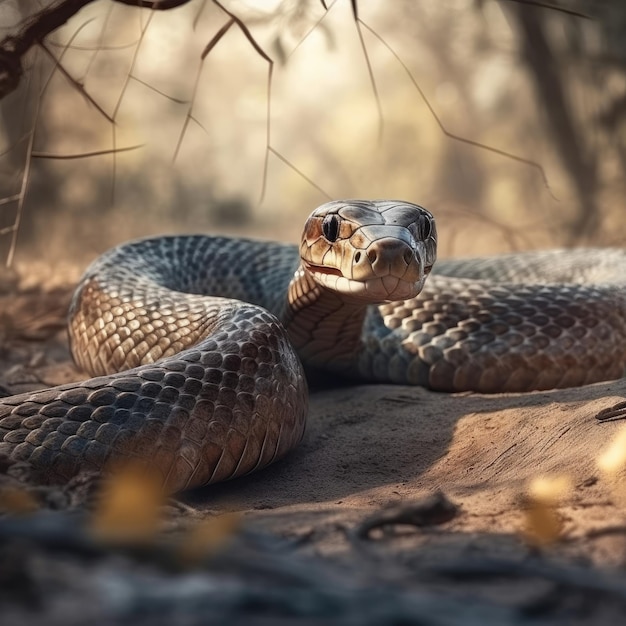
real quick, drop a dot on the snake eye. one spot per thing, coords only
(424, 227)
(330, 227)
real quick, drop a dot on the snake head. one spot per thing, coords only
(373, 251)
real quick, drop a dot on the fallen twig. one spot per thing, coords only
(430, 511)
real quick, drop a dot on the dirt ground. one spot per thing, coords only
(300, 552)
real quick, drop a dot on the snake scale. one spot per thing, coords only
(197, 343)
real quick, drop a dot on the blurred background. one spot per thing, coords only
(506, 119)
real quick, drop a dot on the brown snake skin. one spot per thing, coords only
(203, 388)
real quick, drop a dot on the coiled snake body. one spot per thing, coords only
(203, 388)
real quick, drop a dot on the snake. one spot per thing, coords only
(199, 346)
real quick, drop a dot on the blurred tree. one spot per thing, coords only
(555, 84)
(467, 68)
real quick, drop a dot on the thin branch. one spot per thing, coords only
(212, 43)
(39, 25)
(188, 117)
(246, 31)
(267, 131)
(216, 38)
(269, 149)
(312, 29)
(132, 67)
(453, 136)
(82, 155)
(161, 93)
(195, 120)
(370, 71)
(23, 188)
(96, 48)
(198, 14)
(59, 61)
(155, 5)
(34, 30)
(552, 7)
(119, 103)
(75, 83)
(14, 198)
(21, 196)
(17, 142)
(96, 52)
(299, 172)
(355, 9)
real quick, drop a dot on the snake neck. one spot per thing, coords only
(325, 329)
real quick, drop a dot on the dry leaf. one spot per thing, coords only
(613, 459)
(129, 507)
(543, 524)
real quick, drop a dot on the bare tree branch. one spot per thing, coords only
(75, 83)
(370, 71)
(35, 154)
(39, 25)
(299, 172)
(270, 72)
(212, 43)
(552, 7)
(444, 130)
(154, 5)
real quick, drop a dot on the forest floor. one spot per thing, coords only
(401, 506)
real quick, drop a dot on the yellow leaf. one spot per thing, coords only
(129, 507)
(613, 459)
(543, 525)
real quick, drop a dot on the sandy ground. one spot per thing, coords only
(367, 447)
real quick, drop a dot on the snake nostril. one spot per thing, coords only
(408, 256)
(357, 257)
(372, 256)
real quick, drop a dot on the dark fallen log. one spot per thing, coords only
(55, 568)
(253, 579)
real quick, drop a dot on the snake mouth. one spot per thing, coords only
(322, 269)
